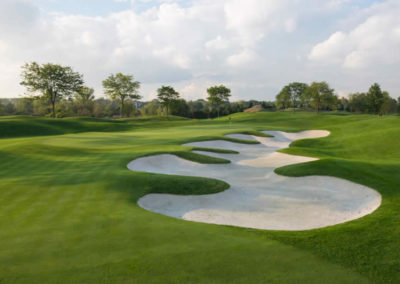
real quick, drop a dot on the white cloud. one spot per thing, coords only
(253, 19)
(242, 58)
(253, 46)
(375, 41)
(218, 43)
(165, 43)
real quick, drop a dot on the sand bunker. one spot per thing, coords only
(259, 198)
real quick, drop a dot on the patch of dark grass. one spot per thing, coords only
(215, 150)
(241, 141)
(183, 185)
(198, 158)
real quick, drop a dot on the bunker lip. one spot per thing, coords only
(259, 198)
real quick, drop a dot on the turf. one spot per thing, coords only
(68, 211)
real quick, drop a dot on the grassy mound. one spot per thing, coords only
(68, 211)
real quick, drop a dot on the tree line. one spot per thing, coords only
(62, 88)
(58, 91)
(106, 108)
(321, 97)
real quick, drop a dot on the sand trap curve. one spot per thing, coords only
(259, 198)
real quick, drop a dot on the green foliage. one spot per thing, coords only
(291, 95)
(24, 106)
(84, 101)
(389, 104)
(151, 108)
(218, 95)
(358, 102)
(283, 99)
(120, 87)
(374, 98)
(319, 93)
(2, 109)
(167, 95)
(375, 101)
(53, 82)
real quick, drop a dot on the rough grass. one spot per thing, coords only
(68, 211)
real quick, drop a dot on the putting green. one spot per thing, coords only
(68, 210)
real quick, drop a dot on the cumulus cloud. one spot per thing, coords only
(254, 46)
(167, 42)
(375, 41)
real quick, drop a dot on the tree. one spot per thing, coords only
(121, 87)
(389, 104)
(375, 98)
(84, 100)
(105, 108)
(358, 103)
(343, 104)
(24, 106)
(218, 95)
(398, 104)
(2, 109)
(167, 95)
(53, 82)
(151, 108)
(283, 98)
(180, 107)
(290, 95)
(319, 94)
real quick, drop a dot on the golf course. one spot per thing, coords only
(69, 208)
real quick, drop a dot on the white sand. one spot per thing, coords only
(258, 198)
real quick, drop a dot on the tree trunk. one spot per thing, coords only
(121, 110)
(53, 97)
(53, 103)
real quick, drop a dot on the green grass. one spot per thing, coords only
(68, 211)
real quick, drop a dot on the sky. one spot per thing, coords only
(254, 47)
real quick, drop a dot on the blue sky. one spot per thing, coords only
(105, 7)
(85, 7)
(98, 7)
(253, 46)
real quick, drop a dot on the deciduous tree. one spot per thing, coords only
(84, 99)
(53, 82)
(290, 95)
(320, 93)
(375, 99)
(120, 87)
(218, 95)
(167, 95)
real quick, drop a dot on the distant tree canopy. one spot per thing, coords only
(53, 82)
(120, 87)
(319, 93)
(58, 91)
(167, 95)
(218, 95)
(375, 99)
(84, 98)
(291, 95)
(358, 102)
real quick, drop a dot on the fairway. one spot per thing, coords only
(69, 212)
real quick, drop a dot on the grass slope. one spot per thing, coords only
(68, 209)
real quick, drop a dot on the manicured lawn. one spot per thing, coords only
(68, 209)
